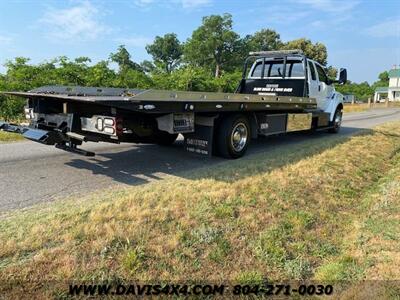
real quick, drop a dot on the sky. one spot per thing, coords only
(362, 36)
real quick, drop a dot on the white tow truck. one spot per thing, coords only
(280, 91)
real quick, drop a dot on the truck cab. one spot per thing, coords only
(291, 73)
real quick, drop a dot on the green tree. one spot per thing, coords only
(19, 77)
(228, 82)
(214, 45)
(383, 80)
(133, 79)
(19, 74)
(46, 74)
(72, 72)
(166, 51)
(315, 51)
(264, 40)
(362, 91)
(123, 58)
(147, 66)
(100, 75)
(384, 77)
(188, 78)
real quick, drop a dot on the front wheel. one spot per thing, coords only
(233, 136)
(337, 121)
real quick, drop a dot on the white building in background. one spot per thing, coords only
(394, 85)
(392, 92)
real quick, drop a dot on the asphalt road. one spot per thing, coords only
(32, 173)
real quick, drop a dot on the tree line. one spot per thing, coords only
(362, 91)
(209, 60)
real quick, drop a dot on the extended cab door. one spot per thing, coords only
(319, 86)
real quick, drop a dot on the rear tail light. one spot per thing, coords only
(103, 124)
(100, 124)
(109, 121)
(109, 130)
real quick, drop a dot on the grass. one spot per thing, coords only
(323, 209)
(348, 108)
(351, 108)
(6, 137)
(373, 247)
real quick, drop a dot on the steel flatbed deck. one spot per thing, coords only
(161, 101)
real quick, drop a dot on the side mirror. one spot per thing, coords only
(342, 76)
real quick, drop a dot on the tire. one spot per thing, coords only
(164, 138)
(337, 121)
(233, 136)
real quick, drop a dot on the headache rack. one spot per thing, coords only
(277, 53)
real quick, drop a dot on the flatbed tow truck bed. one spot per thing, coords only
(60, 127)
(159, 101)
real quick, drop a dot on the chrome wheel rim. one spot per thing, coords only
(239, 137)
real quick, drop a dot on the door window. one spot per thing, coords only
(321, 74)
(312, 71)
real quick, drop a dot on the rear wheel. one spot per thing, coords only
(233, 136)
(164, 138)
(337, 121)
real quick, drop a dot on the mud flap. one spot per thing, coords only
(201, 140)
